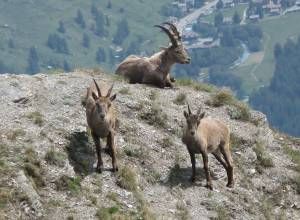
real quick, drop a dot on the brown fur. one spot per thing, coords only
(101, 119)
(204, 136)
(155, 70)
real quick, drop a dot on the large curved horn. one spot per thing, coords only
(109, 91)
(174, 29)
(97, 87)
(170, 35)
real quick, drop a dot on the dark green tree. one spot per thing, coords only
(33, 61)
(109, 5)
(79, 19)
(100, 55)
(86, 40)
(218, 21)
(66, 66)
(122, 32)
(61, 28)
(220, 5)
(236, 18)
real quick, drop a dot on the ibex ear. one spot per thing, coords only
(95, 97)
(113, 97)
(186, 115)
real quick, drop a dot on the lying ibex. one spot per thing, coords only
(101, 118)
(155, 70)
(207, 135)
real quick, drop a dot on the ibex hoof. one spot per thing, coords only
(99, 169)
(116, 169)
(192, 179)
(209, 186)
(230, 185)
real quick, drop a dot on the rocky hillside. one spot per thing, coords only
(47, 155)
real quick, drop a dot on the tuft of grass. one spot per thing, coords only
(198, 86)
(167, 142)
(111, 213)
(295, 156)
(5, 197)
(180, 99)
(12, 135)
(262, 158)
(124, 91)
(235, 141)
(155, 116)
(153, 95)
(137, 153)
(182, 211)
(71, 184)
(152, 176)
(222, 213)
(127, 179)
(144, 211)
(32, 167)
(239, 110)
(221, 97)
(55, 158)
(36, 117)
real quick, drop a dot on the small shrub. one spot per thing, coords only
(12, 135)
(55, 158)
(34, 172)
(110, 213)
(263, 159)
(235, 141)
(222, 213)
(180, 99)
(138, 153)
(239, 111)
(32, 167)
(127, 178)
(167, 142)
(153, 95)
(198, 86)
(5, 197)
(124, 91)
(182, 211)
(71, 184)
(294, 155)
(152, 176)
(221, 97)
(155, 116)
(36, 117)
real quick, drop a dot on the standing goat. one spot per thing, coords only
(155, 70)
(101, 118)
(207, 135)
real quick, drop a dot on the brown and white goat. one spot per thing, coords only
(155, 70)
(101, 119)
(207, 135)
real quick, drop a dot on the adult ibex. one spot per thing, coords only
(155, 70)
(207, 135)
(101, 118)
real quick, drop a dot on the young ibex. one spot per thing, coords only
(101, 118)
(155, 70)
(207, 135)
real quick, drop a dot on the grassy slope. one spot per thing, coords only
(276, 30)
(30, 23)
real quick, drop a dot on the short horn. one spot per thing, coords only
(98, 89)
(190, 112)
(109, 91)
(170, 35)
(174, 29)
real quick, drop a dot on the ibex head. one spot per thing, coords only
(193, 120)
(177, 51)
(103, 103)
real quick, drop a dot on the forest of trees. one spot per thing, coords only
(280, 101)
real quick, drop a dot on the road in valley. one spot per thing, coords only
(188, 19)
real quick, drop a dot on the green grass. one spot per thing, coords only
(263, 159)
(36, 117)
(32, 27)
(127, 178)
(276, 30)
(55, 158)
(227, 12)
(180, 99)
